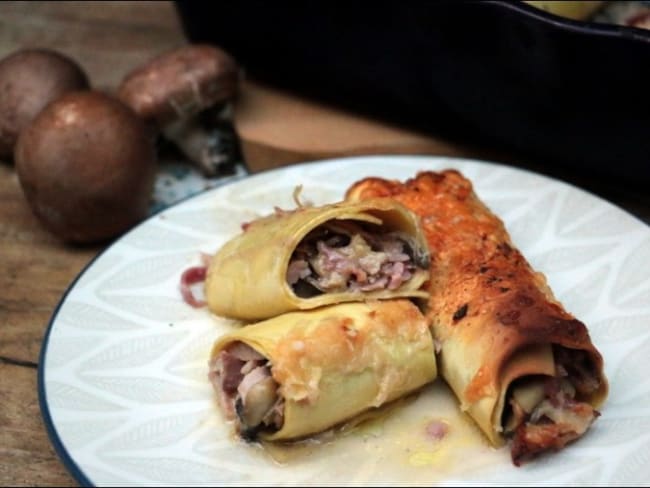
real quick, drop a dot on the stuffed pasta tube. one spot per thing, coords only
(315, 256)
(303, 372)
(521, 366)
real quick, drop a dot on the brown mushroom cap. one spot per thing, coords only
(180, 83)
(87, 166)
(29, 80)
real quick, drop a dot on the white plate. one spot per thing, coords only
(123, 384)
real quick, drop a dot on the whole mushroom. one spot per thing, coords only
(171, 91)
(87, 165)
(29, 80)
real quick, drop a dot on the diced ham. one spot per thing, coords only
(374, 283)
(229, 369)
(397, 274)
(224, 375)
(436, 430)
(342, 255)
(297, 270)
(372, 262)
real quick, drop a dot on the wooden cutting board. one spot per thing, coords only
(277, 128)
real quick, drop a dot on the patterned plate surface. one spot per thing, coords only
(123, 383)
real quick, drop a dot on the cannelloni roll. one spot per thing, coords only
(315, 256)
(304, 372)
(521, 366)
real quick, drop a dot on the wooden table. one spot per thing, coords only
(107, 38)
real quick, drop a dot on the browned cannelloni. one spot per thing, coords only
(521, 366)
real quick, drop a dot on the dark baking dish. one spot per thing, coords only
(569, 94)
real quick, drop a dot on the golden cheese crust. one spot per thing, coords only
(350, 344)
(484, 296)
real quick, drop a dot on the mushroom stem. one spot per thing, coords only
(199, 145)
(174, 89)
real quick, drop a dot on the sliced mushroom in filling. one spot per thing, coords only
(548, 412)
(247, 392)
(345, 255)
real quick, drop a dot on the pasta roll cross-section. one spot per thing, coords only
(315, 256)
(304, 372)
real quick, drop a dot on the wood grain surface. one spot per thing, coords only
(277, 128)
(108, 39)
(26, 455)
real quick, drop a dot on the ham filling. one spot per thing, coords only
(546, 413)
(247, 392)
(343, 256)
